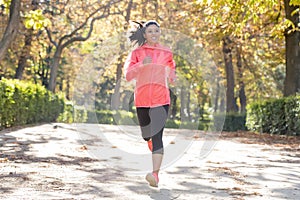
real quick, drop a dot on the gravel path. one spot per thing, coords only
(88, 161)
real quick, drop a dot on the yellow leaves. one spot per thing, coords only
(183, 13)
(295, 12)
(36, 20)
(5, 4)
(294, 2)
(288, 23)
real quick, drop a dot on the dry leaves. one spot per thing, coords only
(3, 160)
(248, 137)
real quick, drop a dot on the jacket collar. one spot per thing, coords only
(157, 45)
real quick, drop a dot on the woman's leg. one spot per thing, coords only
(158, 117)
(144, 121)
(152, 122)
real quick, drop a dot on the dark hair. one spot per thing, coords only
(137, 36)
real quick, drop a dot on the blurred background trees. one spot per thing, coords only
(228, 53)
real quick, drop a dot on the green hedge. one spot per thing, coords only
(230, 121)
(26, 103)
(79, 114)
(67, 116)
(200, 125)
(275, 116)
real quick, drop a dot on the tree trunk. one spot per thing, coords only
(44, 68)
(25, 53)
(216, 100)
(292, 45)
(242, 94)
(227, 52)
(126, 103)
(222, 105)
(116, 96)
(188, 103)
(68, 96)
(12, 27)
(54, 68)
(183, 104)
(173, 105)
(75, 36)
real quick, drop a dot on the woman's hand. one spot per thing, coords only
(147, 60)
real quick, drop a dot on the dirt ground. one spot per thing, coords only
(88, 161)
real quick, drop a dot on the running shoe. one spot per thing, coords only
(152, 179)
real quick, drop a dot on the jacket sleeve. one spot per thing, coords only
(131, 66)
(172, 65)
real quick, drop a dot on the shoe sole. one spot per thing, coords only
(152, 182)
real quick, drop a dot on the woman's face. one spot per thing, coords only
(152, 34)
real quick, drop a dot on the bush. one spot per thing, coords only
(67, 115)
(104, 116)
(230, 121)
(292, 115)
(26, 103)
(201, 125)
(74, 114)
(172, 124)
(80, 114)
(275, 116)
(118, 117)
(123, 117)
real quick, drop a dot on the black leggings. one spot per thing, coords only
(152, 122)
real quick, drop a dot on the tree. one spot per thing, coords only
(230, 80)
(81, 25)
(292, 43)
(26, 49)
(12, 27)
(116, 99)
(256, 46)
(242, 95)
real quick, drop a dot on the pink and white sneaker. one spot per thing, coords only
(152, 179)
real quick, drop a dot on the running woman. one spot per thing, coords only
(152, 66)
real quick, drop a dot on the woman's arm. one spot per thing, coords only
(172, 74)
(131, 66)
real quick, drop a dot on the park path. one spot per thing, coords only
(88, 161)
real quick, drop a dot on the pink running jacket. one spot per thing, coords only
(151, 79)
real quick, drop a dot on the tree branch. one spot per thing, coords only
(50, 37)
(105, 8)
(85, 23)
(82, 38)
(12, 27)
(105, 13)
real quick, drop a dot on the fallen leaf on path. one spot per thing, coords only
(2, 160)
(237, 188)
(83, 147)
(196, 136)
(280, 141)
(209, 161)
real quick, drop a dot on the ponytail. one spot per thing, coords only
(137, 36)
